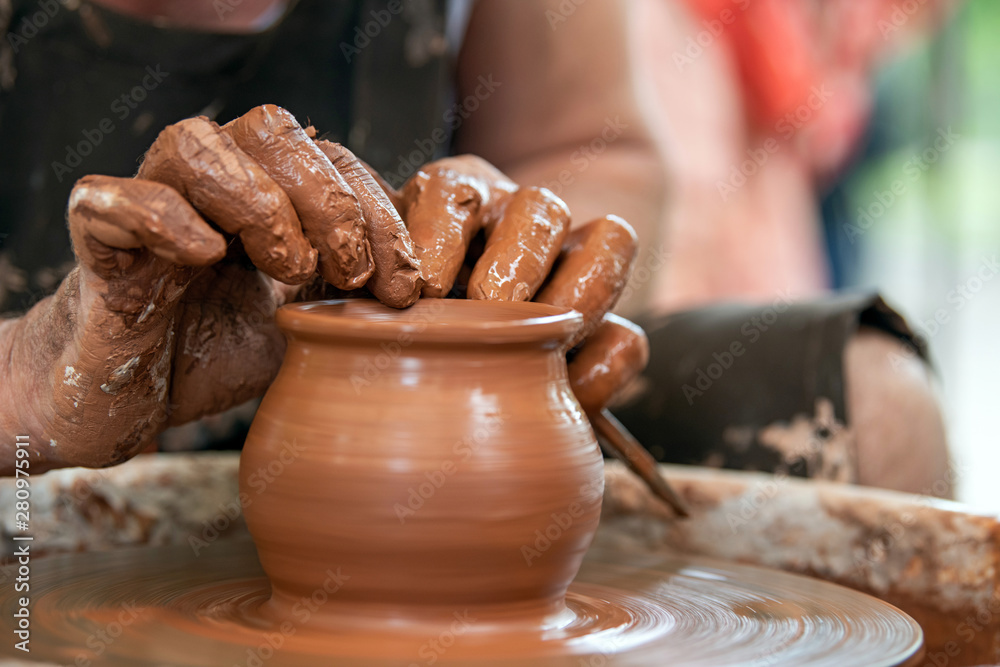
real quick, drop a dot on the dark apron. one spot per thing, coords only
(756, 387)
(91, 89)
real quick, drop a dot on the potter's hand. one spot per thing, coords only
(529, 253)
(611, 358)
(529, 247)
(167, 317)
(528, 242)
(608, 361)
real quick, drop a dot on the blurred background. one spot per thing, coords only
(933, 252)
(880, 174)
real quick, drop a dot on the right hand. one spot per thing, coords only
(165, 319)
(530, 253)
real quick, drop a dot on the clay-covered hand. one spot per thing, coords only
(169, 314)
(522, 245)
(608, 361)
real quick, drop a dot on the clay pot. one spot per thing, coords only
(412, 463)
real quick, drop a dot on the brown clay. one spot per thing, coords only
(328, 208)
(179, 607)
(131, 213)
(522, 248)
(494, 182)
(396, 280)
(612, 356)
(592, 270)
(422, 479)
(205, 165)
(446, 203)
(469, 398)
(394, 195)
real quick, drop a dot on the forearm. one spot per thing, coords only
(26, 345)
(77, 389)
(626, 179)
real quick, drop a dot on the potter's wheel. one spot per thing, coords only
(155, 606)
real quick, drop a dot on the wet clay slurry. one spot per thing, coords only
(522, 248)
(396, 280)
(155, 606)
(592, 270)
(327, 207)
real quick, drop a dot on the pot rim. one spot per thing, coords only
(431, 320)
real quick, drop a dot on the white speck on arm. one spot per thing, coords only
(120, 376)
(71, 377)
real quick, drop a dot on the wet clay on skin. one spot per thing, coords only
(396, 280)
(394, 195)
(327, 207)
(446, 203)
(206, 166)
(522, 248)
(592, 269)
(613, 356)
(130, 213)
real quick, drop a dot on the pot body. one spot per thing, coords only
(416, 469)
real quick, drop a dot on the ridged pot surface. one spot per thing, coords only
(429, 460)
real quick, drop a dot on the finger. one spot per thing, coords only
(129, 213)
(522, 248)
(396, 280)
(204, 165)
(328, 208)
(592, 270)
(447, 202)
(495, 185)
(394, 195)
(609, 360)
